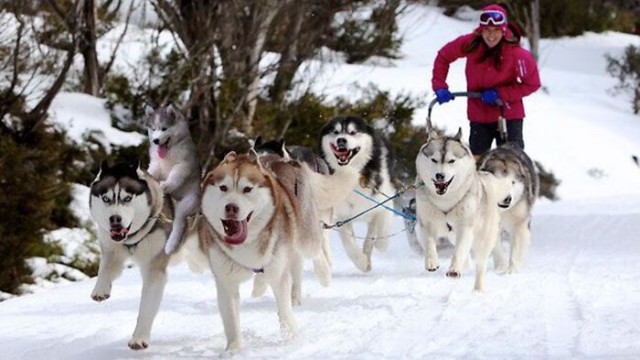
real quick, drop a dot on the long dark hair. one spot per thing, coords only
(493, 54)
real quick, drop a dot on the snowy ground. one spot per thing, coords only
(578, 296)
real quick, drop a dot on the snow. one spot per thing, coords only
(578, 296)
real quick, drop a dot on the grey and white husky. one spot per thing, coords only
(349, 143)
(512, 163)
(126, 203)
(175, 164)
(455, 201)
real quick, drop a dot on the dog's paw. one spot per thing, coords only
(171, 246)
(234, 346)
(138, 344)
(513, 269)
(381, 244)
(431, 264)
(167, 187)
(363, 263)
(296, 299)
(453, 273)
(101, 293)
(323, 274)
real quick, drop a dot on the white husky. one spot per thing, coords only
(175, 164)
(452, 199)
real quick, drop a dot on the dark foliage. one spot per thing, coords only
(36, 170)
(626, 70)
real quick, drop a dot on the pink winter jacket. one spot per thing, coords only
(517, 78)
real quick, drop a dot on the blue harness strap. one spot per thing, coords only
(408, 217)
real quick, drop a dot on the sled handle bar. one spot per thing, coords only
(502, 123)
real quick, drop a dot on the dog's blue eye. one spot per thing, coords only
(247, 189)
(105, 198)
(223, 188)
(127, 198)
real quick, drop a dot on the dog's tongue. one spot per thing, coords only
(163, 149)
(235, 231)
(118, 234)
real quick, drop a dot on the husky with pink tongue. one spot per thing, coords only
(174, 163)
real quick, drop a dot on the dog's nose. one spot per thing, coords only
(156, 141)
(439, 176)
(231, 210)
(341, 142)
(115, 219)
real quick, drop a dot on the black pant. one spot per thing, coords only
(481, 135)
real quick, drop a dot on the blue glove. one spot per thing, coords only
(443, 95)
(490, 96)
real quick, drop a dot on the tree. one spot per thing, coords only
(627, 70)
(222, 46)
(34, 157)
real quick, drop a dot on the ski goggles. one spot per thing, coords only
(492, 17)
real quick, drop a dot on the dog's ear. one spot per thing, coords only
(148, 110)
(258, 142)
(104, 165)
(458, 136)
(231, 156)
(431, 131)
(253, 156)
(285, 152)
(175, 112)
(138, 166)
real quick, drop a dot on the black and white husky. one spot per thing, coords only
(348, 142)
(126, 205)
(175, 164)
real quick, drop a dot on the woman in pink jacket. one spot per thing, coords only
(498, 68)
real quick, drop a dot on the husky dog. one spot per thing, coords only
(347, 142)
(407, 203)
(453, 197)
(260, 217)
(126, 204)
(510, 162)
(175, 164)
(299, 153)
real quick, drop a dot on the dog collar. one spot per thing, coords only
(131, 240)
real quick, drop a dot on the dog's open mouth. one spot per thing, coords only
(236, 230)
(442, 186)
(163, 149)
(119, 233)
(344, 155)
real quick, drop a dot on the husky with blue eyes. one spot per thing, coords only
(126, 204)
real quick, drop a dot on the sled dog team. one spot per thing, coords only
(259, 214)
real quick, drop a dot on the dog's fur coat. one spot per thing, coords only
(513, 164)
(260, 216)
(453, 199)
(175, 164)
